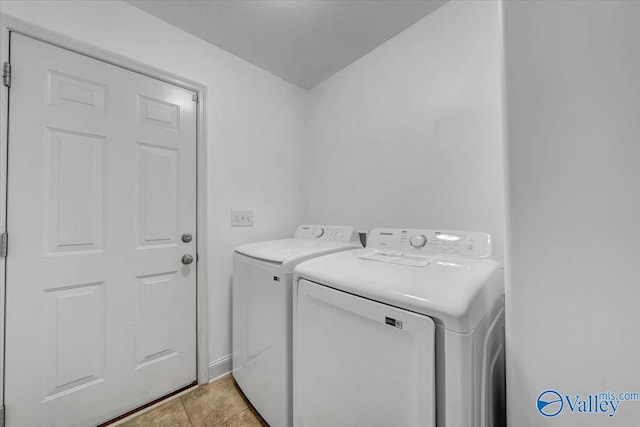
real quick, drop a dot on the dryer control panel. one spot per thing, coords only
(327, 233)
(430, 242)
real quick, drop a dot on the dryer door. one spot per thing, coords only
(360, 363)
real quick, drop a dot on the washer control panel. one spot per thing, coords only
(431, 242)
(327, 233)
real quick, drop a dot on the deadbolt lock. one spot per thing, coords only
(186, 237)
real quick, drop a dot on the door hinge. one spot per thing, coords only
(194, 98)
(6, 74)
(4, 237)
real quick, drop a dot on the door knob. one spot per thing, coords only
(187, 259)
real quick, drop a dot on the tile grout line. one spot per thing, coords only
(232, 416)
(236, 415)
(185, 411)
(236, 391)
(203, 418)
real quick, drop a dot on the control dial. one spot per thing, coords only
(418, 240)
(318, 232)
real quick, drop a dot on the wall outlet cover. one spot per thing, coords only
(241, 218)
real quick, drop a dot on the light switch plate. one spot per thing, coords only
(241, 218)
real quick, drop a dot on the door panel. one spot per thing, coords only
(157, 201)
(156, 339)
(155, 112)
(74, 352)
(100, 310)
(75, 191)
(73, 92)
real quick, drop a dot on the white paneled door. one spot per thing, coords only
(101, 309)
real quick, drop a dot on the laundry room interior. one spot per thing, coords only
(512, 127)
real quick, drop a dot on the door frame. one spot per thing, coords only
(8, 25)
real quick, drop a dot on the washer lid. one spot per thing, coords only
(288, 250)
(456, 292)
(308, 241)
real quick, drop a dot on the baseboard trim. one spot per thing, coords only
(219, 367)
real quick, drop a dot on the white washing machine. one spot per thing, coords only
(406, 332)
(262, 324)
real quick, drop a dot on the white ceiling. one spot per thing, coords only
(301, 41)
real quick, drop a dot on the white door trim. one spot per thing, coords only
(9, 24)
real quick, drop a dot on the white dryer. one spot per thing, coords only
(262, 325)
(406, 332)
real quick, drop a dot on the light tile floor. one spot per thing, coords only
(219, 403)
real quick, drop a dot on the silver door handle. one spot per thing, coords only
(187, 259)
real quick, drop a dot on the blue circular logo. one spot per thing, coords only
(550, 403)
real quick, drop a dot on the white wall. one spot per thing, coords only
(410, 134)
(254, 124)
(573, 291)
